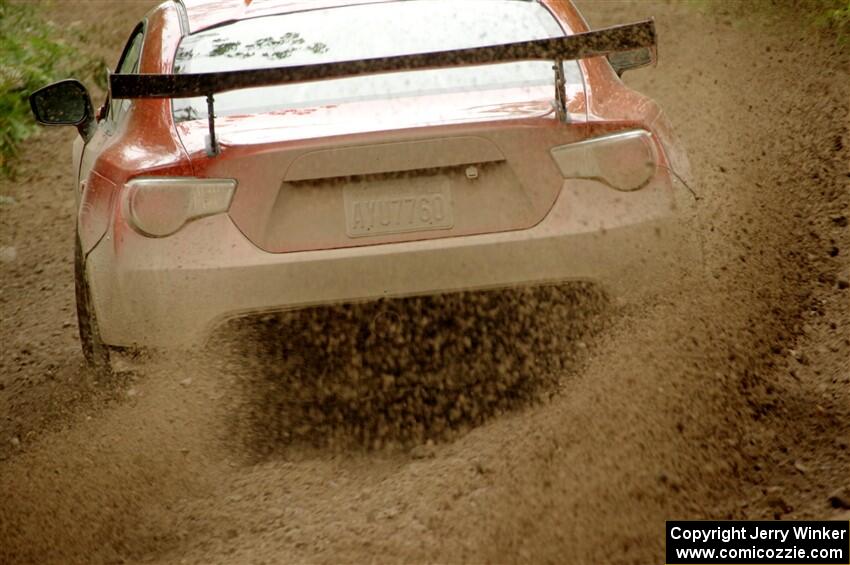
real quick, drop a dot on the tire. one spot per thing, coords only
(95, 351)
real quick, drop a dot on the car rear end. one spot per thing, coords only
(387, 185)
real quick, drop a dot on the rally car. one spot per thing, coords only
(266, 155)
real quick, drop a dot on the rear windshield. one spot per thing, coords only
(365, 31)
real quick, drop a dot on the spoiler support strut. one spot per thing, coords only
(212, 144)
(560, 90)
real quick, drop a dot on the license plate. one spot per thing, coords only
(398, 205)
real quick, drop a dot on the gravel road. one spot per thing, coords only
(588, 424)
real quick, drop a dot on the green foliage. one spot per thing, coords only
(835, 14)
(33, 52)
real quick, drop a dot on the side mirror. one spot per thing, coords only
(623, 61)
(63, 103)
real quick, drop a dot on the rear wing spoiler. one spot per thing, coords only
(595, 43)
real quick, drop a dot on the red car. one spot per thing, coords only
(257, 156)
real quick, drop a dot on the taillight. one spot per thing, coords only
(158, 207)
(624, 160)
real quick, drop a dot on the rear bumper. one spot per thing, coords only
(174, 291)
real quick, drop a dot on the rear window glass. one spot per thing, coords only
(365, 31)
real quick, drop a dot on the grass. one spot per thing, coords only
(33, 52)
(835, 16)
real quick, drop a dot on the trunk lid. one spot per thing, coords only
(389, 171)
